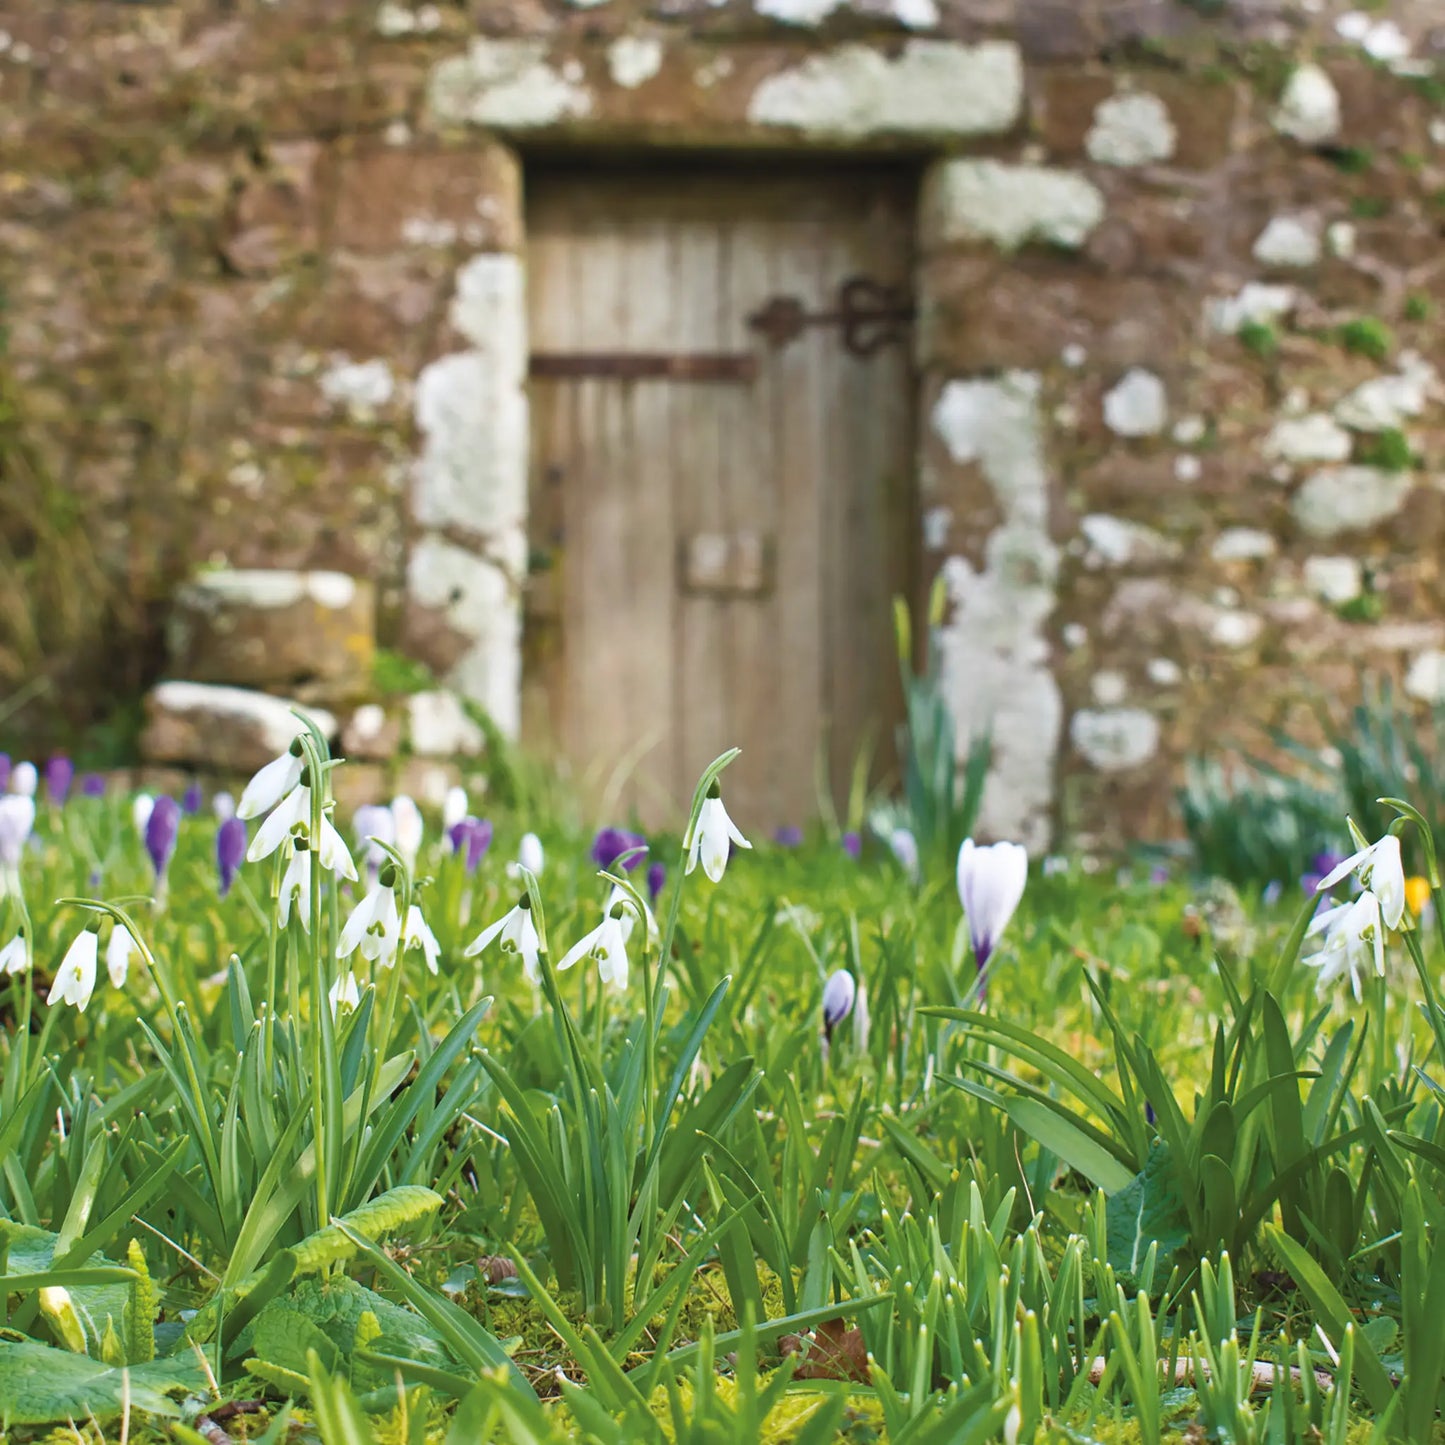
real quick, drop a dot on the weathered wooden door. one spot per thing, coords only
(722, 504)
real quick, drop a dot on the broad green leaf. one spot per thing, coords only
(40, 1385)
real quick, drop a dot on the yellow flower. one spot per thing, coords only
(1417, 894)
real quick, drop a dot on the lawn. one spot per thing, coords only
(640, 1165)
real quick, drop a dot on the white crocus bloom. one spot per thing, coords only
(711, 838)
(990, 884)
(518, 934)
(607, 943)
(406, 817)
(15, 956)
(117, 955)
(374, 925)
(529, 856)
(1354, 938)
(454, 808)
(279, 777)
(140, 811)
(418, 934)
(75, 981)
(23, 780)
(223, 805)
(296, 884)
(344, 994)
(1380, 869)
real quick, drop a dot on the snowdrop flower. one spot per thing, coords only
(904, 847)
(278, 778)
(333, 854)
(406, 818)
(607, 943)
(454, 808)
(140, 812)
(1380, 869)
(990, 883)
(1354, 937)
(23, 779)
(223, 806)
(530, 855)
(117, 955)
(17, 818)
(621, 898)
(15, 956)
(471, 838)
(839, 995)
(295, 883)
(375, 924)
(712, 836)
(75, 982)
(418, 934)
(344, 994)
(518, 934)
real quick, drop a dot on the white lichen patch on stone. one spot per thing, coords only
(438, 726)
(1257, 303)
(1114, 740)
(361, 387)
(1188, 468)
(634, 59)
(1385, 403)
(1118, 542)
(1425, 680)
(916, 14)
(797, 12)
(937, 521)
(1381, 40)
(1243, 544)
(393, 20)
(1335, 580)
(1137, 405)
(1009, 205)
(270, 719)
(1349, 499)
(1289, 241)
(368, 721)
(267, 589)
(1317, 437)
(1108, 688)
(1309, 109)
(1131, 129)
(1164, 672)
(939, 88)
(506, 83)
(994, 647)
(1235, 629)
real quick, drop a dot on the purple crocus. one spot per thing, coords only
(163, 827)
(191, 799)
(230, 850)
(92, 785)
(4, 771)
(789, 836)
(839, 994)
(1321, 866)
(471, 838)
(611, 843)
(59, 774)
(852, 844)
(656, 877)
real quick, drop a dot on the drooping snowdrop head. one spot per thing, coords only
(607, 943)
(1354, 941)
(418, 934)
(530, 855)
(59, 774)
(517, 933)
(1381, 869)
(75, 980)
(345, 994)
(407, 827)
(24, 779)
(295, 884)
(713, 836)
(990, 884)
(15, 956)
(230, 851)
(117, 955)
(278, 778)
(839, 994)
(163, 827)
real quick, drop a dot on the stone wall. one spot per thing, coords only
(1180, 279)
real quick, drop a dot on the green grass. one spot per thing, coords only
(1156, 1167)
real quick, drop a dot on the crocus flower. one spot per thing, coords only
(530, 855)
(375, 924)
(230, 851)
(15, 956)
(92, 785)
(990, 883)
(852, 844)
(1320, 865)
(278, 778)
(712, 836)
(344, 994)
(23, 779)
(454, 809)
(904, 847)
(607, 943)
(163, 827)
(418, 934)
(471, 838)
(4, 770)
(788, 836)
(59, 774)
(518, 935)
(1354, 937)
(223, 805)
(611, 843)
(1380, 869)
(191, 799)
(295, 884)
(373, 823)
(140, 812)
(656, 877)
(407, 818)
(117, 955)
(75, 982)
(839, 994)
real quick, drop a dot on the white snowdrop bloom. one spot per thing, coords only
(23, 780)
(117, 955)
(530, 855)
(517, 934)
(990, 884)
(1379, 868)
(333, 854)
(15, 956)
(278, 778)
(75, 981)
(293, 811)
(711, 838)
(344, 994)
(296, 884)
(607, 943)
(406, 817)
(418, 934)
(17, 818)
(1354, 938)
(140, 811)
(375, 924)
(621, 898)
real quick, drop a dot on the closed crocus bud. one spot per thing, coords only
(454, 809)
(163, 827)
(656, 877)
(838, 995)
(92, 785)
(23, 779)
(59, 774)
(230, 851)
(904, 847)
(191, 800)
(4, 770)
(530, 854)
(990, 883)
(852, 844)
(478, 840)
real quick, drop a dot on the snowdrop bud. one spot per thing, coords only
(24, 779)
(454, 808)
(140, 811)
(838, 995)
(406, 817)
(223, 805)
(530, 854)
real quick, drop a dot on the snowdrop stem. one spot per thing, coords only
(273, 943)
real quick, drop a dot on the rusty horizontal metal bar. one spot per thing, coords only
(737, 366)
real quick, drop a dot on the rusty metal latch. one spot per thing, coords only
(730, 366)
(870, 315)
